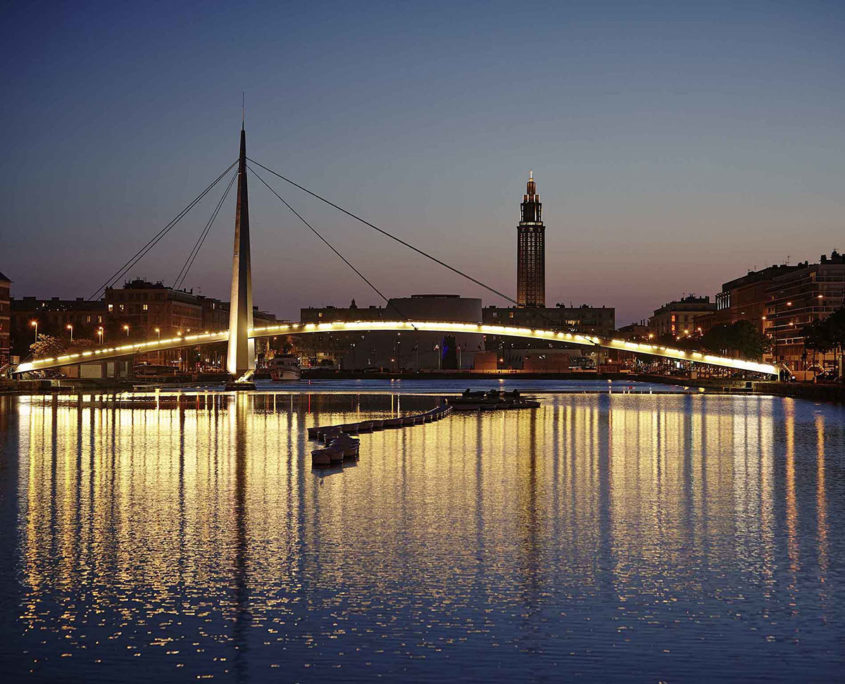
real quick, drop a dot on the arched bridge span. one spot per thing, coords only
(129, 349)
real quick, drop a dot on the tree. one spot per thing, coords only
(827, 334)
(740, 337)
(46, 346)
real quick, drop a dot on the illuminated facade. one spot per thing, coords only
(55, 317)
(596, 320)
(680, 318)
(5, 320)
(531, 250)
(799, 297)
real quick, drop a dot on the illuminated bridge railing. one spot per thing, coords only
(102, 354)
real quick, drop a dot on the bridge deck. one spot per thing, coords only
(108, 353)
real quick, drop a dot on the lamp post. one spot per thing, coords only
(34, 324)
(126, 328)
(69, 326)
(100, 334)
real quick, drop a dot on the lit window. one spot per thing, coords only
(111, 307)
(146, 307)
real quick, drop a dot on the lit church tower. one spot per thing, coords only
(531, 250)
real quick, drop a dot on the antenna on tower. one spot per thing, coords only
(243, 109)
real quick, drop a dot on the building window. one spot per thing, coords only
(111, 307)
(146, 307)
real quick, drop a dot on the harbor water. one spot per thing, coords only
(626, 536)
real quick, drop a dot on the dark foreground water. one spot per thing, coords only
(608, 537)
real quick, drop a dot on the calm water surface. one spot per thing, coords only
(638, 537)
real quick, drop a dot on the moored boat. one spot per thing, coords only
(321, 458)
(284, 367)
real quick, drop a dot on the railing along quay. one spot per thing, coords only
(341, 446)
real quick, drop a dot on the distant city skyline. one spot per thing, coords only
(677, 146)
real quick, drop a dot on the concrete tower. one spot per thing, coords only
(241, 356)
(531, 250)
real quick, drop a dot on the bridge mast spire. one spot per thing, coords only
(241, 354)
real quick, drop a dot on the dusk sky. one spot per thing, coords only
(675, 145)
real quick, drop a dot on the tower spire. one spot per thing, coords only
(241, 354)
(531, 249)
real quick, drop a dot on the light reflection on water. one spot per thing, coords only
(621, 536)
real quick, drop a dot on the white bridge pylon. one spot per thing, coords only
(107, 353)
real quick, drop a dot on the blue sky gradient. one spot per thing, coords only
(675, 145)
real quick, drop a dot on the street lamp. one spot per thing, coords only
(100, 334)
(69, 326)
(158, 332)
(126, 328)
(34, 324)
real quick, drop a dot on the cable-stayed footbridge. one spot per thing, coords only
(241, 333)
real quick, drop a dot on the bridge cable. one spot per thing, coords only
(329, 245)
(186, 267)
(384, 232)
(554, 324)
(158, 236)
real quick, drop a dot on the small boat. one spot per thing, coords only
(336, 454)
(348, 445)
(329, 434)
(284, 367)
(320, 458)
(494, 400)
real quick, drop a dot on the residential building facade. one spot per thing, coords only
(680, 318)
(5, 320)
(797, 298)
